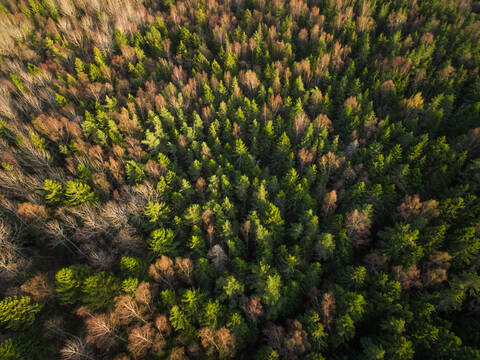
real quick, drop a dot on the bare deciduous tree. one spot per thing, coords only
(143, 340)
(76, 349)
(358, 226)
(127, 310)
(275, 335)
(220, 341)
(218, 256)
(375, 260)
(177, 353)
(250, 80)
(300, 123)
(184, 269)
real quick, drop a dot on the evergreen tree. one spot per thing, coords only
(18, 312)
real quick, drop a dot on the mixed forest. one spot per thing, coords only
(248, 179)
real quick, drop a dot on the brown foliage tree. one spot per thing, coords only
(328, 306)
(39, 287)
(220, 341)
(408, 278)
(143, 294)
(296, 341)
(410, 207)
(200, 185)
(434, 276)
(330, 162)
(162, 271)
(177, 353)
(275, 335)
(305, 157)
(163, 325)
(437, 266)
(253, 308)
(329, 202)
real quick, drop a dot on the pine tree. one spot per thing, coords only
(156, 212)
(54, 191)
(69, 282)
(98, 290)
(17, 313)
(78, 193)
(162, 241)
(135, 173)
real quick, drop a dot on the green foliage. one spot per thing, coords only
(266, 353)
(212, 314)
(84, 172)
(312, 323)
(98, 290)
(273, 289)
(135, 173)
(21, 347)
(162, 242)
(465, 245)
(54, 191)
(78, 193)
(100, 128)
(18, 83)
(10, 350)
(17, 313)
(69, 283)
(401, 245)
(129, 285)
(179, 320)
(156, 212)
(232, 287)
(324, 246)
(61, 101)
(131, 266)
(244, 179)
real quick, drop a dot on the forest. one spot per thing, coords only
(239, 179)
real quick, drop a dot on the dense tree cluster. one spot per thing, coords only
(239, 179)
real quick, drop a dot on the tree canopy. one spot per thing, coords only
(244, 179)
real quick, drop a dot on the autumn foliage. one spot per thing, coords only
(243, 179)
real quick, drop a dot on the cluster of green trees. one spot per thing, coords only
(239, 179)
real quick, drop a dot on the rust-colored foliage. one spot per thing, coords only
(328, 306)
(39, 287)
(32, 212)
(253, 308)
(219, 341)
(329, 202)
